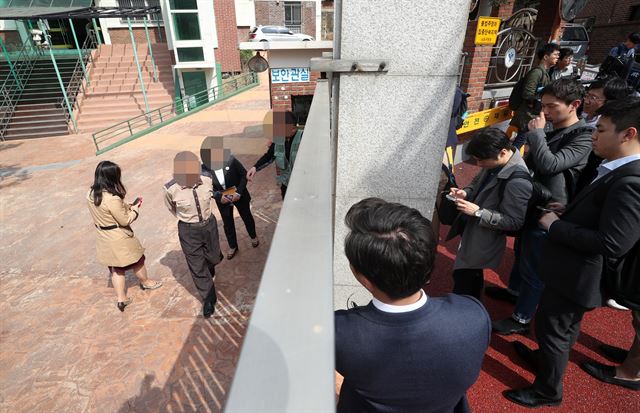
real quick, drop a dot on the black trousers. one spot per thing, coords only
(557, 329)
(201, 248)
(468, 281)
(244, 209)
(283, 190)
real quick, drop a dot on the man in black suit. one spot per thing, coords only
(603, 221)
(226, 174)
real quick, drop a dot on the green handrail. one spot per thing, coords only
(14, 83)
(147, 122)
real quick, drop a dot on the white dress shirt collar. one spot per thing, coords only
(606, 167)
(388, 308)
(220, 175)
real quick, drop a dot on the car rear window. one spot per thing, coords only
(255, 29)
(574, 34)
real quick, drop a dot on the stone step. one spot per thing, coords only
(36, 131)
(99, 78)
(133, 107)
(125, 88)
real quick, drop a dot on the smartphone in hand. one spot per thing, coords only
(137, 201)
(543, 209)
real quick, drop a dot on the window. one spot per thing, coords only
(140, 3)
(574, 34)
(183, 4)
(186, 26)
(269, 30)
(635, 13)
(292, 13)
(190, 54)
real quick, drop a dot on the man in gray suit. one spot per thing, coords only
(556, 159)
(496, 201)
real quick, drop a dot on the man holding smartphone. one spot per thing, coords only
(556, 159)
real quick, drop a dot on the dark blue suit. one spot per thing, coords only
(420, 361)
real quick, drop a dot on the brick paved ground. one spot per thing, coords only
(64, 345)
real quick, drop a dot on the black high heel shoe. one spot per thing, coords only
(122, 304)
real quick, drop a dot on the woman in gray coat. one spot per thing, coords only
(486, 217)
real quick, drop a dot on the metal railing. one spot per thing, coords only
(77, 78)
(122, 132)
(287, 360)
(15, 82)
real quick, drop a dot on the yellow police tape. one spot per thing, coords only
(485, 118)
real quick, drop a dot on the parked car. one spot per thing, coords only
(576, 38)
(275, 34)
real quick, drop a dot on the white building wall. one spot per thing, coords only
(245, 13)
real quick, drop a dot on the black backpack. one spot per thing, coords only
(540, 196)
(515, 99)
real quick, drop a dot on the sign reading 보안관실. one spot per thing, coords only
(487, 30)
(290, 75)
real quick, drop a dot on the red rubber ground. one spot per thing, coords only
(502, 368)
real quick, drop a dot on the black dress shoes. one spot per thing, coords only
(529, 356)
(607, 374)
(501, 294)
(208, 308)
(509, 326)
(615, 354)
(530, 398)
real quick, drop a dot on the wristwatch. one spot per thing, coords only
(478, 213)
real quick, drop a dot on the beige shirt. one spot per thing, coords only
(183, 202)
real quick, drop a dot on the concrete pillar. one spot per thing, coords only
(392, 127)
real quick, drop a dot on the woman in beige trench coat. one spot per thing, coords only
(116, 246)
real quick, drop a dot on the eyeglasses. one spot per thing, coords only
(594, 97)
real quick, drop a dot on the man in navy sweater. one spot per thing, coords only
(404, 351)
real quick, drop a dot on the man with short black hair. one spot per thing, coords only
(401, 352)
(495, 201)
(563, 67)
(534, 81)
(601, 223)
(556, 159)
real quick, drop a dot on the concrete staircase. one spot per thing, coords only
(115, 94)
(38, 112)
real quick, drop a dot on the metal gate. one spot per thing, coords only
(514, 52)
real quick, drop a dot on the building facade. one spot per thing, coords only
(609, 22)
(299, 16)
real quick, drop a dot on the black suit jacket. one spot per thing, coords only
(234, 175)
(602, 221)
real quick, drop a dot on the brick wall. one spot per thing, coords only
(476, 67)
(268, 13)
(309, 18)
(475, 70)
(11, 39)
(227, 53)
(243, 33)
(281, 92)
(121, 36)
(611, 25)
